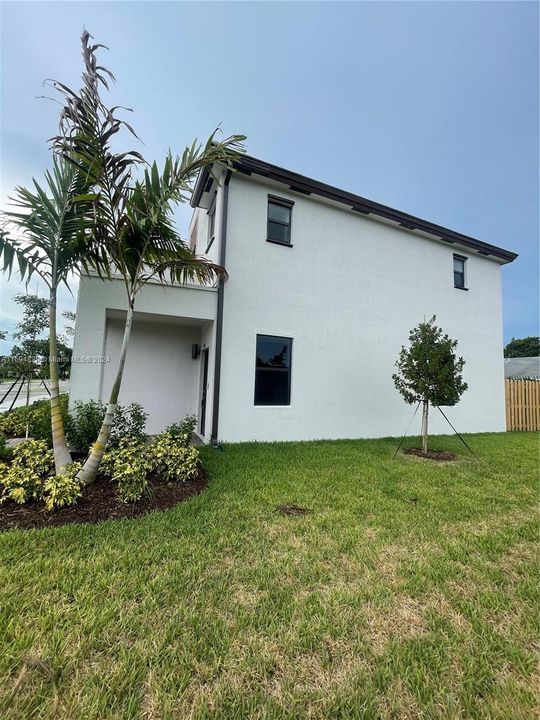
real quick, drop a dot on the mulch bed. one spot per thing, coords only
(431, 454)
(99, 502)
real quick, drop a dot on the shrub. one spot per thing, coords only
(183, 430)
(83, 424)
(13, 422)
(21, 485)
(38, 416)
(128, 465)
(35, 455)
(128, 422)
(23, 479)
(173, 459)
(5, 451)
(62, 490)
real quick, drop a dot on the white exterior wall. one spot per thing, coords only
(348, 292)
(159, 371)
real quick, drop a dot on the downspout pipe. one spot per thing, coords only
(219, 318)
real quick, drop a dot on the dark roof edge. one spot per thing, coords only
(307, 186)
(198, 190)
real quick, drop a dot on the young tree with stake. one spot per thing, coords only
(429, 372)
(33, 324)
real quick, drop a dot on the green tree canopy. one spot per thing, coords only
(523, 347)
(428, 371)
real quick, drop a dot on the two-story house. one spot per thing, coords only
(300, 342)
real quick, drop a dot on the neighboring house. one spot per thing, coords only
(300, 343)
(522, 367)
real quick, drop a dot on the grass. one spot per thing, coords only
(408, 591)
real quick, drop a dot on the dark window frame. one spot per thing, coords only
(463, 259)
(211, 230)
(284, 202)
(289, 371)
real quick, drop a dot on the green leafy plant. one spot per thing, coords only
(83, 423)
(183, 430)
(63, 489)
(23, 479)
(5, 451)
(38, 417)
(21, 485)
(174, 460)
(35, 455)
(13, 422)
(429, 371)
(129, 465)
(128, 422)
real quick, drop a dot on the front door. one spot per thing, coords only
(204, 360)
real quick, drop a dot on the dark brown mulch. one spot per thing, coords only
(99, 502)
(431, 454)
(292, 510)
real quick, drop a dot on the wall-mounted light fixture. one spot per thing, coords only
(195, 351)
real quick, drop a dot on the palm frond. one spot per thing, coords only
(51, 226)
(14, 254)
(86, 129)
(183, 266)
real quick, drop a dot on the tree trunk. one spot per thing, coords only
(62, 456)
(88, 472)
(425, 411)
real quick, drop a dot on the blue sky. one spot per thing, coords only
(428, 107)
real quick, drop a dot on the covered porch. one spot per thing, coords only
(169, 364)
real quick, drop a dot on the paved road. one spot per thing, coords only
(37, 392)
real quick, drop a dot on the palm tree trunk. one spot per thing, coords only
(88, 472)
(62, 456)
(425, 411)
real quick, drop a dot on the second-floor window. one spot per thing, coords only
(279, 220)
(459, 271)
(211, 224)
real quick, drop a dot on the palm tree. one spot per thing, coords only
(52, 241)
(148, 247)
(134, 219)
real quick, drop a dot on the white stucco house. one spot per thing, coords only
(300, 342)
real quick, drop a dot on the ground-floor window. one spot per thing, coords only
(273, 370)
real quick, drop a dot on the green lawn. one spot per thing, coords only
(409, 591)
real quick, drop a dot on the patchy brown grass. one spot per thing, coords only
(371, 606)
